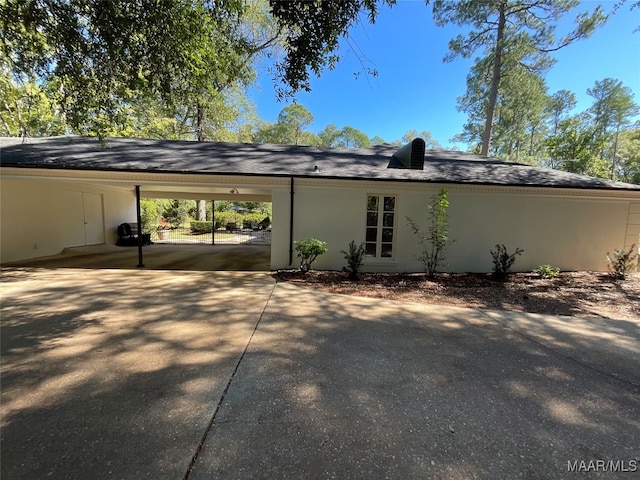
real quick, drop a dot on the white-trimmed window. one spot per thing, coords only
(381, 210)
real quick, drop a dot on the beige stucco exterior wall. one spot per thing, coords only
(280, 208)
(41, 217)
(570, 229)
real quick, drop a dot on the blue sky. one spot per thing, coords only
(416, 90)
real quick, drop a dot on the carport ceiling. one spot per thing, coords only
(220, 192)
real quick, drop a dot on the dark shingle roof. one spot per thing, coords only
(375, 163)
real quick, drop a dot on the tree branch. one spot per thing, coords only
(266, 44)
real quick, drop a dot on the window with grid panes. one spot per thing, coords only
(380, 226)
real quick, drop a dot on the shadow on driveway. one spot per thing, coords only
(120, 374)
(159, 257)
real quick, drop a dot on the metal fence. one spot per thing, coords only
(219, 237)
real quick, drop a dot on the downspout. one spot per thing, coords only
(291, 193)
(139, 219)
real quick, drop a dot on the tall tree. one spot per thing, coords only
(328, 135)
(430, 142)
(351, 137)
(628, 164)
(295, 118)
(502, 27)
(28, 109)
(576, 147)
(561, 104)
(612, 109)
(290, 128)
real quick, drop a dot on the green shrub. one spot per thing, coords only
(224, 218)
(622, 262)
(149, 215)
(503, 261)
(252, 220)
(308, 250)
(201, 226)
(354, 258)
(547, 271)
(177, 212)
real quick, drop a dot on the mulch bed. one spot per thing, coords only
(587, 294)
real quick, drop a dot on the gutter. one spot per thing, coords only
(291, 194)
(433, 180)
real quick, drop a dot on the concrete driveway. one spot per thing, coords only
(169, 374)
(159, 257)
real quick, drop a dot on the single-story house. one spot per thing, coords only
(70, 191)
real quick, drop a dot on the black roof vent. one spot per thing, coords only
(412, 154)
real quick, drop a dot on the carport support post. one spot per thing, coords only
(139, 219)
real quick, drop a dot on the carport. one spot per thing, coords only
(209, 193)
(73, 192)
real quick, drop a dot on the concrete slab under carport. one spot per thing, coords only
(159, 257)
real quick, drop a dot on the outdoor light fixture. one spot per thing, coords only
(233, 191)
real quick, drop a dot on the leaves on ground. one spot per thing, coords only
(583, 294)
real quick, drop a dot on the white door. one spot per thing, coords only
(93, 218)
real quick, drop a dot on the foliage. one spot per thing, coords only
(308, 250)
(354, 258)
(239, 219)
(623, 262)
(514, 37)
(201, 226)
(612, 109)
(289, 129)
(434, 241)
(547, 271)
(613, 105)
(295, 118)
(176, 212)
(628, 156)
(503, 261)
(108, 56)
(149, 215)
(28, 109)
(313, 31)
(429, 141)
(347, 137)
(575, 148)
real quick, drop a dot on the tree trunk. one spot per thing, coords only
(495, 81)
(615, 151)
(202, 204)
(200, 124)
(533, 134)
